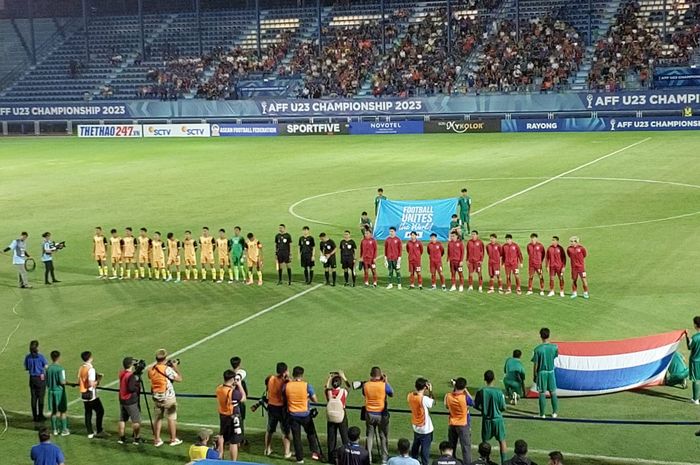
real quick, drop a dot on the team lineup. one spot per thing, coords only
(239, 258)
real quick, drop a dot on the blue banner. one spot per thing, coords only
(244, 130)
(387, 127)
(670, 123)
(422, 216)
(676, 77)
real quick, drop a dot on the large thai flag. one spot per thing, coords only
(592, 368)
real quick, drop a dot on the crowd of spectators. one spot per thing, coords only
(634, 47)
(543, 58)
(178, 76)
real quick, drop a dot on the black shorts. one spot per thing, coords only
(347, 262)
(277, 415)
(283, 257)
(130, 412)
(331, 263)
(306, 261)
(231, 429)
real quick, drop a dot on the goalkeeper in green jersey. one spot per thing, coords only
(238, 247)
(543, 360)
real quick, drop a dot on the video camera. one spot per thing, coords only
(173, 362)
(60, 245)
(261, 403)
(139, 365)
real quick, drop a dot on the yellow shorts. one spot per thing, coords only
(143, 259)
(225, 261)
(174, 260)
(158, 264)
(129, 259)
(253, 263)
(190, 261)
(207, 260)
(117, 259)
(100, 256)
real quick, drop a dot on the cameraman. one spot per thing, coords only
(230, 396)
(376, 390)
(297, 393)
(457, 403)
(162, 376)
(276, 412)
(129, 392)
(49, 247)
(336, 398)
(421, 401)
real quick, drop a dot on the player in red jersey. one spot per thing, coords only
(555, 259)
(455, 256)
(435, 253)
(512, 261)
(535, 257)
(475, 256)
(392, 257)
(495, 252)
(368, 252)
(577, 255)
(414, 248)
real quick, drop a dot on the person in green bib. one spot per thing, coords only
(677, 373)
(465, 206)
(238, 247)
(694, 359)
(543, 359)
(56, 387)
(491, 402)
(514, 379)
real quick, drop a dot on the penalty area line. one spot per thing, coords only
(227, 329)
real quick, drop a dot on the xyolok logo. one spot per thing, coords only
(461, 128)
(158, 132)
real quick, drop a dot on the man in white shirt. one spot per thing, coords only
(421, 401)
(19, 256)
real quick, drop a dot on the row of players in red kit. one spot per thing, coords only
(506, 256)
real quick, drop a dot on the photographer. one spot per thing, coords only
(162, 376)
(336, 397)
(420, 402)
(376, 416)
(19, 256)
(49, 247)
(457, 403)
(235, 362)
(276, 412)
(129, 392)
(297, 393)
(230, 396)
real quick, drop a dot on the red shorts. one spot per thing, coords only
(369, 264)
(577, 273)
(435, 267)
(474, 267)
(456, 267)
(413, 267)
(512, 269)
(555, 271)
(535, 269)
(494, 269)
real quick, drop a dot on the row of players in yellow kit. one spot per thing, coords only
(146, 256)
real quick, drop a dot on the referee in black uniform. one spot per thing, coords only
(283, 253)
(347, 257)
(306, 254)
(328, 250)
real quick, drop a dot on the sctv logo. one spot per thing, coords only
(159, 131)
(192, 131)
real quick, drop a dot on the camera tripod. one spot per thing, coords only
(148, 408)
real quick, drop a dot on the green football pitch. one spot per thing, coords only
(634, 199)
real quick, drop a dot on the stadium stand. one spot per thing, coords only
(546, 45)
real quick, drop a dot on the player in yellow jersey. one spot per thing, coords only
(254, 258)
(206, 254)
(115, 254)
(158, 257)
(128, 253)
(144, 253)
(190, 248)
(174, 247)
(99, 252)
(223, 245)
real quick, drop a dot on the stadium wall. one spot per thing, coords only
(592, 111)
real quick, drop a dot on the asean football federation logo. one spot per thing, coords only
(612, 124)
(589, 99)
(263, 104)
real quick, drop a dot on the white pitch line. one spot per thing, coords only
(226, 329)
(560, 175)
